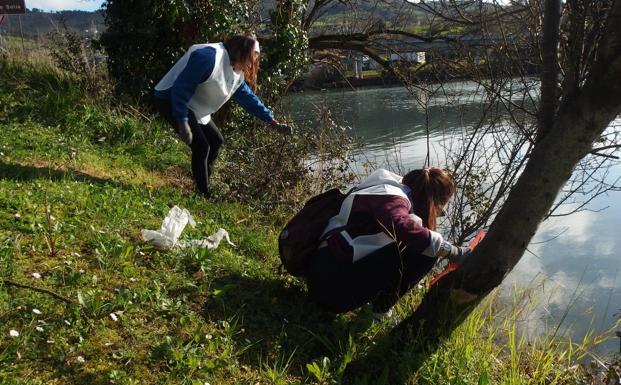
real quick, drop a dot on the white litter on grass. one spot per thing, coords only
(36, 275)
(113, 317)
(80, 359)
(211, 242)
(168, 235)
(13, 333)
(172, 226)
(36, 311)
(39, 329)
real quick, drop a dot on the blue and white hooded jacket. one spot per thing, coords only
(203, 80)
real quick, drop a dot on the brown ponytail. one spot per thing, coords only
(240, 50)
(431, 190)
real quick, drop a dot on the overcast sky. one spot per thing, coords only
(58, 5)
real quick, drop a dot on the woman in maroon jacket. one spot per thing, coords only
(383, 241)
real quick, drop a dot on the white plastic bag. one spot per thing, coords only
(172, 226)
(168, 235)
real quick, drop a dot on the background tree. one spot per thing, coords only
(145, 37)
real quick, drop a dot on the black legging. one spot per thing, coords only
(381, 278)
(206, 143)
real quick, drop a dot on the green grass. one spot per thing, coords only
(79, 180)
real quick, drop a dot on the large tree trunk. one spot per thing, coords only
(581, 119)
(549, 66)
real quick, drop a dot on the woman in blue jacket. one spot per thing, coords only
(201, 81)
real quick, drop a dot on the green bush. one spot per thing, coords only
(77, 56)
(144, 38)
(265, 169)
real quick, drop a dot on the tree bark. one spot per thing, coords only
(550, 69)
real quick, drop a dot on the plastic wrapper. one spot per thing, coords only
(168, 235)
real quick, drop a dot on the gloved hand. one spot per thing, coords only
(459, 254)
(455, 253)
(185, 132)
(281, 127)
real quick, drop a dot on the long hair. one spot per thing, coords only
(240, 49)
(431, 190)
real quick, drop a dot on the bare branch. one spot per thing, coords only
(8, 282)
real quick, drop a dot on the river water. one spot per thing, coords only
(573, 265)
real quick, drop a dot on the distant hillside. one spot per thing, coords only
(37, 23)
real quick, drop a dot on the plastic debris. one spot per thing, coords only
(172, 227)
(13, 333)
(212, 241)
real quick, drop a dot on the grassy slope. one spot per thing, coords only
(79, 182)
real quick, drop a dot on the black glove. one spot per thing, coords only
(185, 132)
(459, 254)
(282, 128)
(454, 253)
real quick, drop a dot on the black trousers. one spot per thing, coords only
(206, 143)
(381, 278)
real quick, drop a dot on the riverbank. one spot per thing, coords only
(321, 79)
(79, 180)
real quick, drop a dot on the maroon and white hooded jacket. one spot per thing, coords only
(377, 213)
